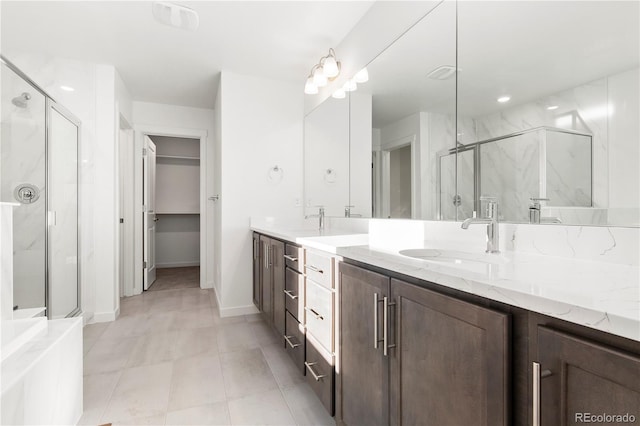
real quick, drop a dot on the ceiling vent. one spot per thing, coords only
(443, 72)
(175, 15)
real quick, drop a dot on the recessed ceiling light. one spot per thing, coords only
(443, 72)
(552, 107)
(503, 99)
(67, 88)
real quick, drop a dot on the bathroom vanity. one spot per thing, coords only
(420, 341)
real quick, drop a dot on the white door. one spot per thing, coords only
(149, 189)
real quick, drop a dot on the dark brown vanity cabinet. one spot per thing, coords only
(574, 380)
(409, 355)
(268, 284)
(294, 333)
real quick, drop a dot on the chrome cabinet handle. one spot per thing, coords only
(385, 331)
(317, 315)
(255, 245)
(313, 373)
(265, 252)
(314, 269)
(288, 340)
(537, 375)
(269, 257)
(375, 320)
(291, 295)
(291, 258)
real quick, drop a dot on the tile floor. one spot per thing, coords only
(169, 359)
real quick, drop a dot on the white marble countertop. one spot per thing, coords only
(599, 295)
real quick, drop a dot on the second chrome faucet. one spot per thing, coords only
(491, 220)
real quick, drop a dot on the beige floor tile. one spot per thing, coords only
(97, 390)
(306, 407)
(153, 349)
(264, 333)
(196, 381)
(212, 298)
(128, 326)
(197, 341)
(218, 320)
(140, 392)
(266, 408)
(94, 331)
(108, 355)
(87, 344)
(254, 317)
(210, 414)
(282, 366)
(197, 318)
(142, 421)
(236, 337)
(246, 372)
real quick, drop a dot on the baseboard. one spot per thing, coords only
(209, 285)
(238, 310)
(105, 316)
(177, 264)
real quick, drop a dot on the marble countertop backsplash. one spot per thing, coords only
(585, 275)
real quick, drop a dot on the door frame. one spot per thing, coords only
(385, 162)
(150, 130)
(126, 202)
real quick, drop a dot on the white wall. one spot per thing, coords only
(181, 117)
(260, 126)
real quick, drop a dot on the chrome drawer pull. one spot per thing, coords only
(291, 258)
(291, 295)
(537, 375)
(314, 269)
(313, 373)
(317, 315)
(288, 340)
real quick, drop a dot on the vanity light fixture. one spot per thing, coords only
(327, 69)
(503, 99)
(552, 107)
(362, 76)
(339, 94)
(175, 15)
(350, 86)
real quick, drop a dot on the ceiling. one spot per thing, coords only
(526, 49)
(273, 39)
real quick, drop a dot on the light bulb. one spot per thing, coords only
(310, 88)
(330, 67)
(362, 76)
(350, 86)
(339, 94)
(503, 99)
(319, 79)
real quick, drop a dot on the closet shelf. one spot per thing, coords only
(178, 157)
(178, 213)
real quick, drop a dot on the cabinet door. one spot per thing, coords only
(450, 365)
(585, 379)
(362, 374)
(277, 270)
(257, 296)
(266, 283)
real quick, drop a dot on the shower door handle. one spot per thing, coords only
(52, 218)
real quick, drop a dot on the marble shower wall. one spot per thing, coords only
(22, 160)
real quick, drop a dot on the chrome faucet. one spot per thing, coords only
(320, 217)
(491, 220)
(347, 211)
(535, 212)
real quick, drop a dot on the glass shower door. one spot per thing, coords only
(63, 294)
(23, 181)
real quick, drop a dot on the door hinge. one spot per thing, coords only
(144, 151)
(144, 265)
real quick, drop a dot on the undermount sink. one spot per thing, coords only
(455, 257)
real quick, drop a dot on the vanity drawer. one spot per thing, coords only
(320, 376)
(294, 257)
(319, 267)
(294, 341)
(294, 293)
(319, 313)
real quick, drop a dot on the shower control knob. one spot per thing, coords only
(26, 193)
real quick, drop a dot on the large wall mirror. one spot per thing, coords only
(532, 103)
(548, 111)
